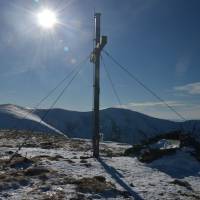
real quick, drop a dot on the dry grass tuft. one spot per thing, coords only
(96, 184)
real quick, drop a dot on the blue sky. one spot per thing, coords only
(157, 40)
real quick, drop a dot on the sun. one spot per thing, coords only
(47, 18)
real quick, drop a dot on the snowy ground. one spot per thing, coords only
(60, 168)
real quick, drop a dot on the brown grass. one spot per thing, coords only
(96, 184)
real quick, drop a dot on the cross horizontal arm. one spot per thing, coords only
(99, 47)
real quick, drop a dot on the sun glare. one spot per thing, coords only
(47, 18)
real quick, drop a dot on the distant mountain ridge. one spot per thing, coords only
(116, 124)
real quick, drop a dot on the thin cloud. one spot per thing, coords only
(191, 88)
(159, 110)
(153, 104)
(182, 65)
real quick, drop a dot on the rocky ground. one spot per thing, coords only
(54, 167)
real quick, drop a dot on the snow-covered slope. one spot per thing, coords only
(116, 124)
(16, 117)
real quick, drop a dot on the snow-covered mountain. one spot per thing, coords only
(16, 117)
(116, 124)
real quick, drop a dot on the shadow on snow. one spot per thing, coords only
(118, 178)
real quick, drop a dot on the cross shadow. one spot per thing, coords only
(117, 177)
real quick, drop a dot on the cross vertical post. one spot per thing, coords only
(100, 42)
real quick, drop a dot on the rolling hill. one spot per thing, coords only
(120, 125)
